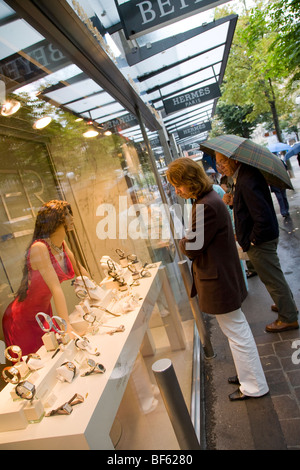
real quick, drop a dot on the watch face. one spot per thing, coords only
(89, 317)
(67, 408)
(91, 363)
(26, 390)
(100, 368)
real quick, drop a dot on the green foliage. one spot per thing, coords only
(264, 59)
(234, 119)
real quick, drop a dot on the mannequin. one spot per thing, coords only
(48, 262)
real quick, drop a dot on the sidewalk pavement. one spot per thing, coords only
(273, 421)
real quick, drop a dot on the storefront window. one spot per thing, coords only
(107, 179)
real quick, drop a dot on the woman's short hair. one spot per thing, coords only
(186, 172)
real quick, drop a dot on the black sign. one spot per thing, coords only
(31, 63)
(141, 17)
(120, 123)
(194, 130)
(192, 98)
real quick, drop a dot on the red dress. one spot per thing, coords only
(19, 324)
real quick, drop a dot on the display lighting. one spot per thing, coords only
(43, 122)
(90, 133)
(10, 107)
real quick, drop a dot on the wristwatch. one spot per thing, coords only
(47, 318)
(84, 345)
(51, 324)
(25, 390)
(70, 366)
(15, 350)
(32, 356)
(89, 318)
(94, 368)
(66, 408)
(132, 258)
(61, 330)
(11, 375)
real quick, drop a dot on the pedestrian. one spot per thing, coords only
(217, 274)
(257, 233)
(282, 200)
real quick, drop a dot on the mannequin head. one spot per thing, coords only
(50, 217)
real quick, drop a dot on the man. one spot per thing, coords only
(257, 233)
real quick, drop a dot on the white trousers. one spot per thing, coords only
(244, 351)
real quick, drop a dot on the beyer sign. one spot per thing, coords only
(143, 16)
(192, 98)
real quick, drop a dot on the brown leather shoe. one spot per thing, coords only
(234, 380)
(238, 396)
(274, 308)
(277, 326)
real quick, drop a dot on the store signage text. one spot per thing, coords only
(192, 98)
(31, 63)
(120, 123)
(142, 16)
(194, 130)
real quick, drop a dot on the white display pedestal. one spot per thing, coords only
(89, 425)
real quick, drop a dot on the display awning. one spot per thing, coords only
(61, 55)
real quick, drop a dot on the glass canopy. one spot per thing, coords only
(175, 60)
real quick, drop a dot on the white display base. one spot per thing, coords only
(12, 416)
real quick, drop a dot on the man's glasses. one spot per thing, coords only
(222, 164)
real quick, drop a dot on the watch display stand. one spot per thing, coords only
(34, 411)
(23, 369)
(50, 341)
(12, 415)
(16, 413)
(64, 375)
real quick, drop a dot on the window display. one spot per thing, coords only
(79, 317)
(43, 272)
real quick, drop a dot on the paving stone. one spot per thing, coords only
(286, 407)
(277, 382)
(291, 431)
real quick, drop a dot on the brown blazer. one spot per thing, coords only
(216, 268)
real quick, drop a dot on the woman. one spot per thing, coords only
(217, 274)
(48, 262)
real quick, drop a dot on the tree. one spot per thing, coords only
(250, 80)
(234, 121)
(285, 49)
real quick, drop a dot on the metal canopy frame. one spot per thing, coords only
(57, 21)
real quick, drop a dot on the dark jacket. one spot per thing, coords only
(254, 215)
(216, 267)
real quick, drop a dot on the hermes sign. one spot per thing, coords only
(192, 98)
(143, 16)
(195, 130)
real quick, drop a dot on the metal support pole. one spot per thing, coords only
(203, 334)
(175, 404)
